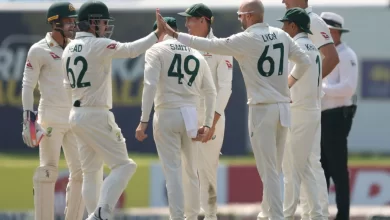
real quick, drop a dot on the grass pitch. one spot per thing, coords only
(17, 172)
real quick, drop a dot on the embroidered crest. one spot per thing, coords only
(71, 8)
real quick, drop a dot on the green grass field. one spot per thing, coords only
(17, 172)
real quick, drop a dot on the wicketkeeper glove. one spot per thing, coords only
(32, 132)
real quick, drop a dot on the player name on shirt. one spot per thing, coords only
(269, 37)
(76, 48)
(180, 47)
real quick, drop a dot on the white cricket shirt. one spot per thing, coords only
(86, 65)
(340, 85)
(175, 76)
(306, 92)
(43, 66)
(262, 52)
(321, 34)
(222, 71)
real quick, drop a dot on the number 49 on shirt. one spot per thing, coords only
(177, 59)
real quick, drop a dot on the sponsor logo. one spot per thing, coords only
(28, 65)
(228, 64)
(111, 46)
(55, 56)
(325, 35)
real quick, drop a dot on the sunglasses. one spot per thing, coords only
(239, 13)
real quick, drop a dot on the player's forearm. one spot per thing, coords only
(216, 118)
(28, 98)
(330, 61)
(210, 101)
(139, 46)
(300, 68)
(204, 44)
(147, 101)
(223, 97)
(328, 64)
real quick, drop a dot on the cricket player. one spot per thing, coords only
(263, 53)
(305, 120)
(86, 63)
(175, 77)
(42, 66)
(323, 41)
(199, 18)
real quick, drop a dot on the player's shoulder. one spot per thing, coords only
(38, 47)
(317, 22)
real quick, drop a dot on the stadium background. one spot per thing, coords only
(238, 181)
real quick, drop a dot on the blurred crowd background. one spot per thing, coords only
(369, 141)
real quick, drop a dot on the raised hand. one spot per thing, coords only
(161, 24)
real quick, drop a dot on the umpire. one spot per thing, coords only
(338, 111)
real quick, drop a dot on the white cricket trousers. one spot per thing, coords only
(100, 140)
(303, 135)
(178, 154)
(208, 161)
(315, 165)
(46, 174)
(268, 137)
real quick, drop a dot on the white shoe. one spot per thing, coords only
(101, 213)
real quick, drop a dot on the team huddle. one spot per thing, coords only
(188, 79)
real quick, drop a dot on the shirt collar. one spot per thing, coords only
(249, 29)
(84, 34)
(167, 37)
(211, 34)
(309, 9)
(300, 35)
(51, 42)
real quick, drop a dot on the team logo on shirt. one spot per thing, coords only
(55, 56)
(228, 64)
(28, 65)
(325, 35)
(111, 46)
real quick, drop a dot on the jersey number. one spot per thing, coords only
(177, 60)
(263, 58)
(318, 61)
(79, 83)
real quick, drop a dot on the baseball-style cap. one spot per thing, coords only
(334, 21)
(300, 17)
(198, 10)
(170, 21)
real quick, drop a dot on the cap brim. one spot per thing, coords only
(184, 14)
(282, 19)
(337, 28)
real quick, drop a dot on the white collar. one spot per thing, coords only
(84, 34)
(300, 35)
(255, 26)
